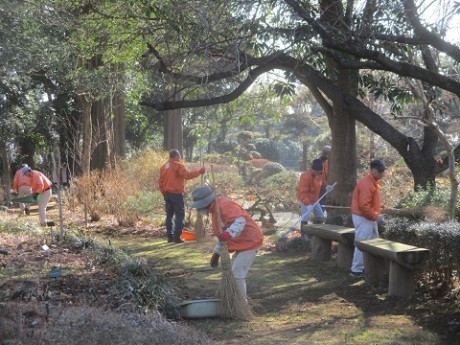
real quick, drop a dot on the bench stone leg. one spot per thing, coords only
(320, 249)
(402, 280)
(375, 270)
(345, 255)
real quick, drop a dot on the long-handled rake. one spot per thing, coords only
(306, 216)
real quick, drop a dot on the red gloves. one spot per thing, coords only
(225, 236)
(215, 260)
(202, 170)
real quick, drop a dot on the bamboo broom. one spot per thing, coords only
(232, 303)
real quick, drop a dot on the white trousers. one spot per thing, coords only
(241, 263)
(365, 229)
(24, 190)
(45, 198)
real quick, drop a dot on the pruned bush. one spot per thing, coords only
(442, 239)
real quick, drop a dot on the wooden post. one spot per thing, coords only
(345, 255)
(375, 271)
(320, 249)
(402, 280)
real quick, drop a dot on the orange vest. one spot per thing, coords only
(309, 187)
(366, 198)
(39, 182)
(173, 175)
(20, 180)
(250, 238)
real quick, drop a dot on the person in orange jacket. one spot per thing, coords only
(41, 185)
(172, 185)
(22, 186)
(365, 209)
(239, 231)
(310, 184)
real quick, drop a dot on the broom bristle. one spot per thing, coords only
(199, 227)
(232, 304)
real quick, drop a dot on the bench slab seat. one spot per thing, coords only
(392, 263)
(321, 237)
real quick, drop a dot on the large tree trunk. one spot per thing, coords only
(87, 135)
(6, 172)
(119, 124)
(173, 135)
(342, 161)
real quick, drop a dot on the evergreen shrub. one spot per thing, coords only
(442, 239)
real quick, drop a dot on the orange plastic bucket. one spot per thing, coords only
(187, 235)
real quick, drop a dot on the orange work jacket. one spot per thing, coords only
(250, 238)
(173, 175)
(39, 182)
(366, 198)
(20, 180)
(309, 187)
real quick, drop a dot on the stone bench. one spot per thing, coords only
(391, 264)
(322, 235)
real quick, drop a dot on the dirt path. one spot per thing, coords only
(297, 301)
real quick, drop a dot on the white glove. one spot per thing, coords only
(12, 191)
(329, 188)
(381, 219)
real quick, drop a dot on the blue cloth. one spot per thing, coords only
(317, 212)
(175, 208)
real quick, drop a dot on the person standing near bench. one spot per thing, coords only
(365, 209)
(310, 184)
(172, 185)
(22, 185)
(41, 185)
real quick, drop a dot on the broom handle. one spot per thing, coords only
(202, 165)
(216, 201)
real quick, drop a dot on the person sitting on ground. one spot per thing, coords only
(22, 186)
(172, 185)
(239, 231)
(365, 209)
(310, 184)
(41, 186)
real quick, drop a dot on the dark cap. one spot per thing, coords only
(317, 165)
(378, 165)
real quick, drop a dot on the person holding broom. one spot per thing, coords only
(172, 185)
(365, 209)
(41, 185)
(22, 186)
(238, 230)
(310, 184)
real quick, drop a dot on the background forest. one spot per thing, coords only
(86, 83)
